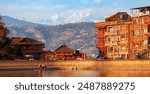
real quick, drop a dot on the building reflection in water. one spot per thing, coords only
(72, 73)
(102, 72)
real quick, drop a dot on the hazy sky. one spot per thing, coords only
(54, 12)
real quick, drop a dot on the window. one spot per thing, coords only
(117, 28)
(136, 32)
(144, 42)
(123, 17)
(109, 29)
(123, 56)
(116, 49)
(135, 21)
(122, 36)
(136, 44)
(115, 38)
(108, 39)
(123, 48)
(110, 49)
(133, 32)
(144, 31)
(143, 20)
(124, 28)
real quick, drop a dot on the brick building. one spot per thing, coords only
(113, 36)
(63, 53)
(124, 36)
(140, 33)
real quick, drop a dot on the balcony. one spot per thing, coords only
(123, 41)
(100, 45)
(100, 25)
(111, 33)
(111, 43)
(103, 24)
(111, 23)
(140, 14)
(99, 35)
(124, 51)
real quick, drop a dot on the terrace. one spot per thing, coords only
(140, 11)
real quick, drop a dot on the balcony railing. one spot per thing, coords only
(103, 24)
(123, 41)
(111, 23)
(111, 33)
(124, 51)
(100, 45)
(99, 35)
(139, 14)
(111, 43)
(100, 25)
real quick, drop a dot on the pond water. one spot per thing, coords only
(75, 72)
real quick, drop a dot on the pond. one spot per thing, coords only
(77, 72)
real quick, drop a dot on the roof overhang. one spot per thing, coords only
(146, 7)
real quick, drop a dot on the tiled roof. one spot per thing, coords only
(64, 48)
(24, 41)
(110, 17)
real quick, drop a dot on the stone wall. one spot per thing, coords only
(86, 63)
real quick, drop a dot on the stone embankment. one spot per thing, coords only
(75, 63)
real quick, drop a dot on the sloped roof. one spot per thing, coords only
(24, 41)
(48, 52)
(64, 48)
(118, 13)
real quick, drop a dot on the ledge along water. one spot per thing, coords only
(75, 68)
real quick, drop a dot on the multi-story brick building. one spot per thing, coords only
(113, 36)
(140, 33)
(124, 36)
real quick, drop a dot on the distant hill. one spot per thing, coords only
(76, 35)
(16, 22)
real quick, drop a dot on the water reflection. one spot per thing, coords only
(71, 73)
(19, 73)
(82, 72)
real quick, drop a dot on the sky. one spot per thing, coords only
(55, 12)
